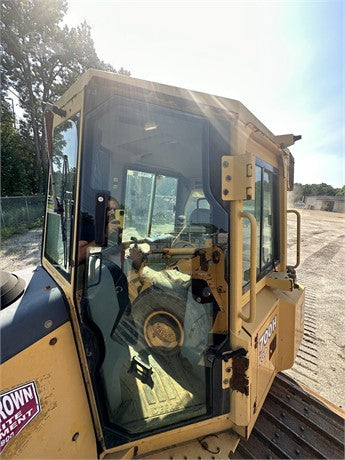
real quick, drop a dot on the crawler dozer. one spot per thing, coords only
(164, 306)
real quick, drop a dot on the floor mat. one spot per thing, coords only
(177, 393)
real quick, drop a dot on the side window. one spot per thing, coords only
(267, 219)
(263, 210)
(61, 196)
(163, 216)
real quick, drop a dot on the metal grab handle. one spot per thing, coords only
(298, 243)
(252, 305)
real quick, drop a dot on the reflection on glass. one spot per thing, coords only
(262, 209)
(267, 235)
(61, 196)
(153, 294)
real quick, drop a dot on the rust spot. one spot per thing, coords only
(239, 380)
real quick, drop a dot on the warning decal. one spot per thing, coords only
(17, 408)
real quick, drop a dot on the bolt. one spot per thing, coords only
(302, 428)
(228, 178)
(306, 409)
(228, 369)
(225, 192)
(276, 435)
(100, 199)
(288, 397)
(53, 341)
(75, 436)
(48, 324)
(226, 381)
(225, 164)
(48, 287)
(283, 414)
(297, 451)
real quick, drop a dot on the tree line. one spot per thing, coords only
(300, 191)
(41, 58)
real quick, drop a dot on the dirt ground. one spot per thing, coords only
(21, 251)
(320, 364)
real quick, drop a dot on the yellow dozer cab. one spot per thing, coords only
(164, 306)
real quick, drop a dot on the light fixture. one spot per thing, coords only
(150, 126)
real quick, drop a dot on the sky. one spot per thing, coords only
(284, 60)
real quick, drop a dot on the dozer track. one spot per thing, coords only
(295, 424)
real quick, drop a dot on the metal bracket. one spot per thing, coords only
(280, 280)
(238, 177)
(227, 371)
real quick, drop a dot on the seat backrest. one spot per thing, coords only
(200, 216)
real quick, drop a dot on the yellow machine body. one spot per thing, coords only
(263, 317)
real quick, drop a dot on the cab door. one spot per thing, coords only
(152, 279)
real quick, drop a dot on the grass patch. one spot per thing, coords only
(7, 232)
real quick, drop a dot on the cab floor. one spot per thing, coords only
(175, 393)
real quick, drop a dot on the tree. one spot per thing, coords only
(41, 59)
(340, 191)
(17, 157)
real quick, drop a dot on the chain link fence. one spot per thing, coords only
(21, 211)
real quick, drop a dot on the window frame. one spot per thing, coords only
(71, 214)
(264, 269)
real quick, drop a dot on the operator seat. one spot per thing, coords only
(200, 216)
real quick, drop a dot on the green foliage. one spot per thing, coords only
(7, 232)
(17, 158)
(316, 190)
(40, 59)
(340, 191)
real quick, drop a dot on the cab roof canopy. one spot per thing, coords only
(188, 100)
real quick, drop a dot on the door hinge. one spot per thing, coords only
(228, 364)
(238, 177)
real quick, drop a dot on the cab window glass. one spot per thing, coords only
(164, 205)
(263, 210)
(267, 219)
(61, 196)
(153, 289)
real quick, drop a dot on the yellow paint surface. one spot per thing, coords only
(64, 406)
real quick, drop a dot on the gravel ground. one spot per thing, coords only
(21, 251)
(320, 364)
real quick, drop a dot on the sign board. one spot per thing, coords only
(17, 408)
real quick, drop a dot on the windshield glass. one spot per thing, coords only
(154, 283)
(61, 197)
